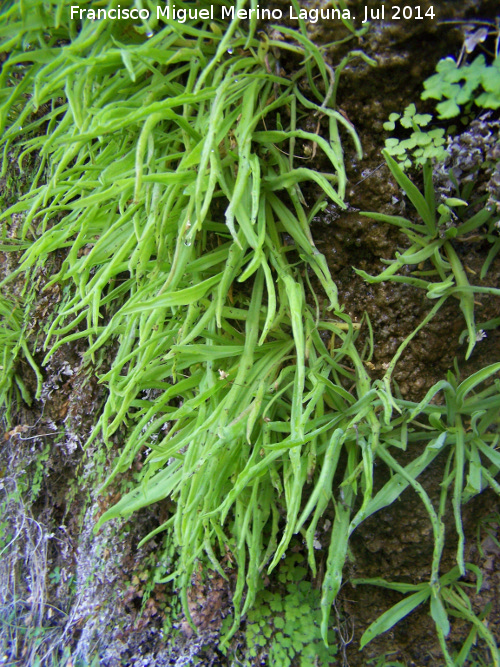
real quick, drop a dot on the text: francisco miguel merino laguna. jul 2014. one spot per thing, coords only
(313, 15)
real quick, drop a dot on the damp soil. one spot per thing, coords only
(110, 602)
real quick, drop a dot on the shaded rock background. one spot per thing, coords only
(94, 594)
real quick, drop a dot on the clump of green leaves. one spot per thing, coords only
(163, 179)
(432, 241)
(469, 468)
(12, 343)
(285, 627)
(459, 85)
(422, 145)
(171, 183)
(452, 600)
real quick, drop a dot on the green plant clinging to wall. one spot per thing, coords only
(422, 145)
(285, 627)
(432, 241)
(13, 341)
(458, 85)
(164, 146)
(163, 162)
